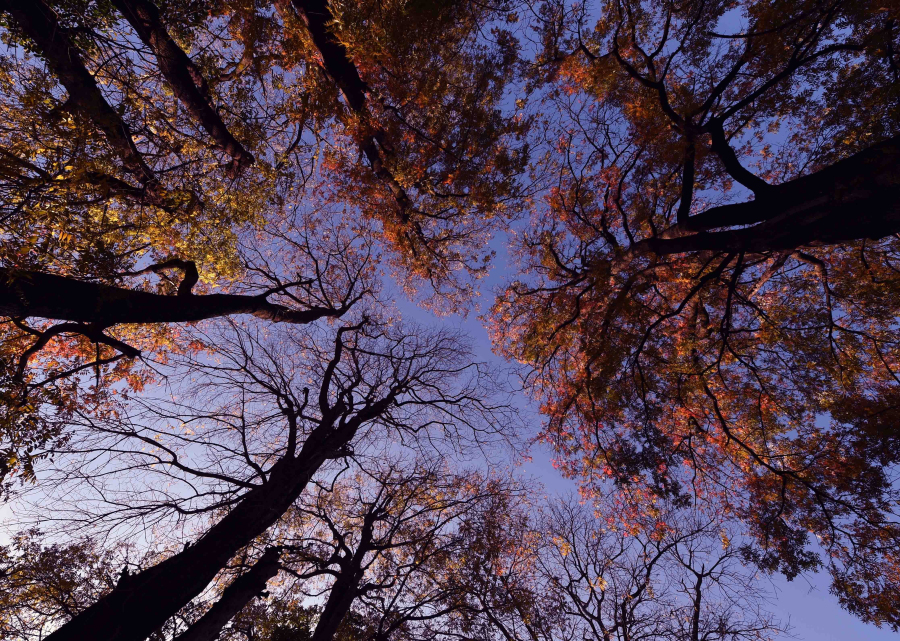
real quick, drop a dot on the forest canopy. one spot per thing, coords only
(216, 423)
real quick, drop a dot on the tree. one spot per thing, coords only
(427, 554)
(270, 439)
(43, 585)
(496, 588)
(407, 552)
(706, 303)
(323, 270)
(118, 175)
(77, 218)
(675, 576)
(691, 342)
(452, 158)
(375, 548)
(111, 166)
(425, 112)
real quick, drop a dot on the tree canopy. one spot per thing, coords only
(708, 305)
(209, 209)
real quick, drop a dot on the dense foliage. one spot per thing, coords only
(207, 210)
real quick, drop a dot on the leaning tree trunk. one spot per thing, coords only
(340, 599)
(142, 603)
(181, 75)
(237, 595)
(336, 62)
(39, 23)
(346, 586)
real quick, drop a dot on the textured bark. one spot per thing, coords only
(26, 294)
(853, 199)
(143, 602)
(39, 23)
(237, 595)
(181, 74)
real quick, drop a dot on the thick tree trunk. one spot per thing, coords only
(39, 23)
(853, 199)
(35, 294)
(237, 595)
(181, 74)
(142, 603)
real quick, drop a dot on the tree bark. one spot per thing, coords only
(244, 589)
(39, 23)
(853, 199)
(340, 599)
(181, 74)
(316, 14)
(26, 294)
(142, 603)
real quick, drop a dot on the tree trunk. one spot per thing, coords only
(853, 199)
(336, 62)
(237, 595)
(39, 23)
(345, 588)
(142, 603)
(340, 599)
(181, 74)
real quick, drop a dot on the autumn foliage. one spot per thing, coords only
(208, 209)
(688, 342)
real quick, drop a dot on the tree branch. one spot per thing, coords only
(26, 294)
(730, 160)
